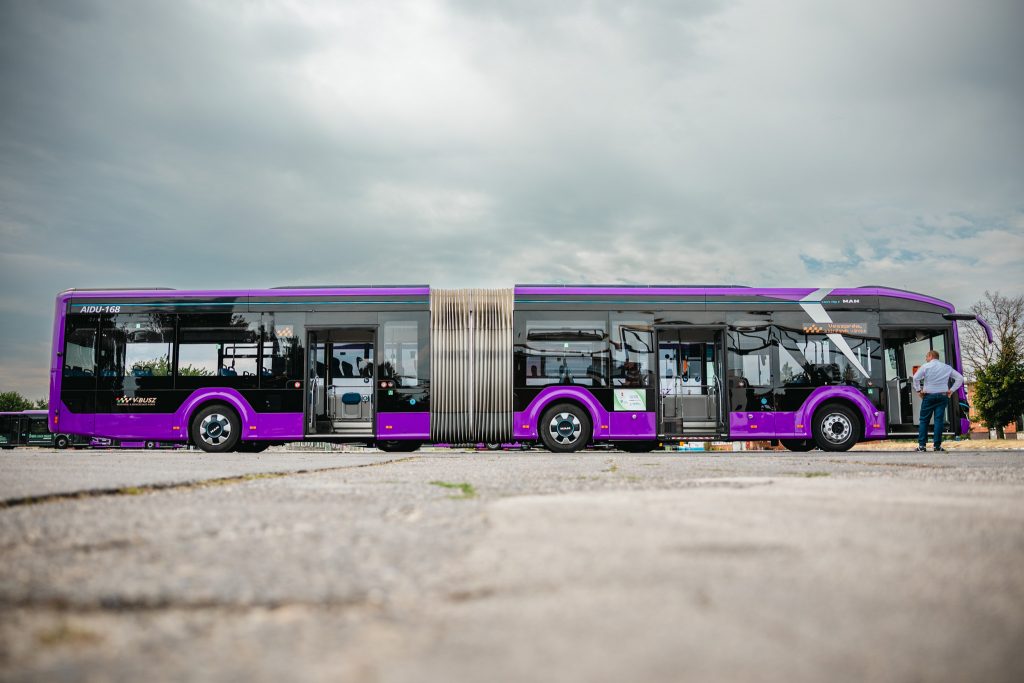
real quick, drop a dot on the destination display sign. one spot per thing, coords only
(836, 328)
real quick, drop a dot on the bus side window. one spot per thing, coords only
(80, 346)
(282, 350)
(217, 349)
(135, 351)
(551, 350)
(750, 357)
(631, 345)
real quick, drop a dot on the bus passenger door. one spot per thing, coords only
(315, 399)
(341, 382)
(905, 349)
(689, 382)
(7, 426)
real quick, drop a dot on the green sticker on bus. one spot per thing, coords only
(630, 399)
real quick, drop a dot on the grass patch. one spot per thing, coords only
(811, 475)
(262, 475)
(67, 634)
(131, 491)
(612, 467)
(466, 489)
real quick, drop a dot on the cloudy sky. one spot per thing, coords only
(489, 142)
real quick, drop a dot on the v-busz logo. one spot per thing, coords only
(136, 400)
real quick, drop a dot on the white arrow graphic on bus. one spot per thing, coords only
(812, 305)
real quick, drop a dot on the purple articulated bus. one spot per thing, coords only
(563, 366)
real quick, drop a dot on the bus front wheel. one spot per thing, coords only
(836, 428)
(61, 442)
(215, 429)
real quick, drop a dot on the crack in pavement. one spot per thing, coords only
(115, 604)
(180, 485)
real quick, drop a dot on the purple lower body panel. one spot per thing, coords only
(403, 426)
(792, 425)
(627, 425)
(274, 427)
(752, 425)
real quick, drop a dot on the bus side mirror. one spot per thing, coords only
(976, 318)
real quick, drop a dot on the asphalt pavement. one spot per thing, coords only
(600, 566)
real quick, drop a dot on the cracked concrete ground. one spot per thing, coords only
(593, 567)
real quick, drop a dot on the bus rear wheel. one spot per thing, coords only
(835, 428)
(215, 429)
(565, 428)
(61, 442)
(798, 445)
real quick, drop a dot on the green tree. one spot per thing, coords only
(161, 367)
(999, 390)
(1005, 315)
(13, 401)
(42, 403)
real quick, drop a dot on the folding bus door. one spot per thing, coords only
(341, 383)
(905, 350)
(689, 382)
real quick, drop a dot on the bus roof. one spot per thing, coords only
(783, 293)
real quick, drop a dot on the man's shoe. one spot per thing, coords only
(920, 449)
(939, 449)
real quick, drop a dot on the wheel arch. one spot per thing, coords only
(580, 398)
(848, 397)
(204, 398)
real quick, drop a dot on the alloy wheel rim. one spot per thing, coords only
(565, 428)
(215, 429)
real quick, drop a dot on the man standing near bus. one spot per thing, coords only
(931, 382)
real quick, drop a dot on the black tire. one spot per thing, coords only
(636, 446)
(398, 446)
(493, 446)
(565, 428)
(150, 445)
(215, 428)
(798, 445)
(253, 446)
(61, 441)
(836, 428)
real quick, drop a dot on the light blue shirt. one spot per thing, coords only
(934, 376)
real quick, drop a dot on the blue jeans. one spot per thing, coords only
(932, 404)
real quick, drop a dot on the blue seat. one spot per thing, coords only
(351, 398)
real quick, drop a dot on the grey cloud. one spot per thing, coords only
(467, 143)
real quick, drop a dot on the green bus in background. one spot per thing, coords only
(29, 428)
